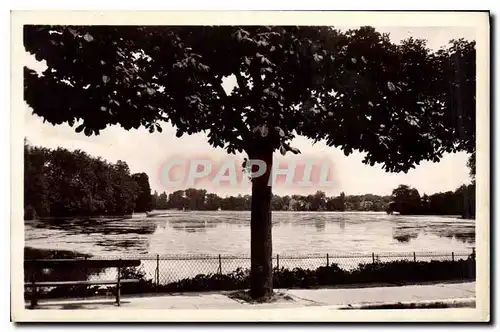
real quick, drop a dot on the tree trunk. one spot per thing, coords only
(261, 270)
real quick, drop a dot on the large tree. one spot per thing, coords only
(399, 104)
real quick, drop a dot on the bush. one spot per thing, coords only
(394, 272)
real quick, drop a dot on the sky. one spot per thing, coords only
(145, 152)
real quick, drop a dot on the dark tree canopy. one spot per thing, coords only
(63, 183)
(400, 104)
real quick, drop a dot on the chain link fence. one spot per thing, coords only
(164, 269)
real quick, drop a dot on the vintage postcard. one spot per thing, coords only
(250, 166)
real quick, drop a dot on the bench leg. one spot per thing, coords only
(34, 301)
(118, 283)
(118, 295)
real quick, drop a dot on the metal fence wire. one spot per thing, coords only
(165, 269)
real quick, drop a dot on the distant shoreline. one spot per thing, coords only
(157, 213)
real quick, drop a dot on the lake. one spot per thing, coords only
(315, 234)
(228, 233)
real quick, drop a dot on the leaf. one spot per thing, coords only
(105, 79)
(158, 127)
(87, 131)
(282, 150)
(204, 67)
(317, 57)
(280, 131)
(294, 150)
(80, 128)
(88, 37)
(391, 86)
(353, 60)
(264, 131)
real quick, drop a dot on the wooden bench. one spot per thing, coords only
(37, 265)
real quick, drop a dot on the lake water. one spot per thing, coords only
(316, 234)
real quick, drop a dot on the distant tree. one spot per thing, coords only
(318, 201)
(356, 90)
(341, 202)
(471, 164)
(213, 202)
(144, 201)
(154, 200)
(277, 203)
(466, 200)
(406, 200)
(178, 200)
(163, 202)
(195, 198)
(425, 204)
(63, 183)
(36, 182)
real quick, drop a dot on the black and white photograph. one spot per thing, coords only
(286, 166)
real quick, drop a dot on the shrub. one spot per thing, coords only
(394, 272)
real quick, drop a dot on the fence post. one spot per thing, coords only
(220, 265)
(452, 256)
(414, 257)
(327, 261)
(86, 268)
(118, 282)
(373, 257)
(157, 271)
(86, 274)
(277, 262)
(34, 290)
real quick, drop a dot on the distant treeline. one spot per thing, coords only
(404, 200)
(63, 183)
(199, 199)
(462, 201)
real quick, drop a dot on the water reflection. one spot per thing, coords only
(319, 224)
(405, 230)
(193, 227)
(342, 224)
(228, 232)
(404, 238)
(116, 226)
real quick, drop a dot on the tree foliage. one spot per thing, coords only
(62, 183)
(461, 202)
(143, 202)
(357, 90)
